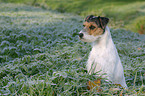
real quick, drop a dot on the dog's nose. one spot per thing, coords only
(81, 35)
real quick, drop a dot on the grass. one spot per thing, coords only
(40, 54)
(122, 13)
(128, 14)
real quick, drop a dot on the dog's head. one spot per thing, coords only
(94, 27)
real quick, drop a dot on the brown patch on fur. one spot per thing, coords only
(96, 31)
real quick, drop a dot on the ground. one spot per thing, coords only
(41, 54)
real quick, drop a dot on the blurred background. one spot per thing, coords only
(128, 14)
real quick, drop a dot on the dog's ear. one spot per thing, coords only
(103, 21)
(89, 17)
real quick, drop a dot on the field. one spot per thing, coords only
(41, 54)
(128, 14)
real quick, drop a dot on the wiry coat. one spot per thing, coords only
(104, 58)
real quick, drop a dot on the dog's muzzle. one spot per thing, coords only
(81, 35)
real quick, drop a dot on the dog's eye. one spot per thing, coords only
(92, 27)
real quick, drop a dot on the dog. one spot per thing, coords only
(103, 57)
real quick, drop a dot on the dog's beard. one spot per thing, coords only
(89, 38)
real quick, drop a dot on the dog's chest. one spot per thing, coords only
(102, 58)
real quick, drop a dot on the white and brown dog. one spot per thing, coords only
(103, 57)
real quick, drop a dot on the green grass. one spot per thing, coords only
(40, 54)
(122, 13)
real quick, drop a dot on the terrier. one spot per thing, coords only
(103, 57)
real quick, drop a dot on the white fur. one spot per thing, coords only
(89, 38)
(104, 57)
